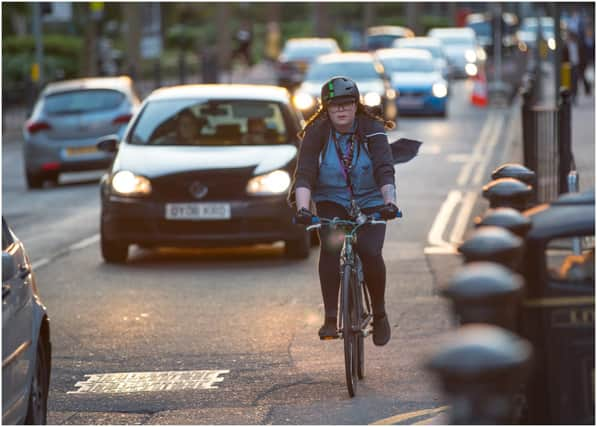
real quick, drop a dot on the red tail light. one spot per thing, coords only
(34, 127)
(123, 119)
(52, 166)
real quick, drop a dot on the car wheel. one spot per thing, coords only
(37, 409)
(113, 251)
(300, 248)
(34, 180)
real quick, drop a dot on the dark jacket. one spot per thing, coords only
(369, 131)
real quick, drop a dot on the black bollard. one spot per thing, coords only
(508, 218)
(481, 368)
(493, 244)
(485, 292)
(508, 192)
(519, 172)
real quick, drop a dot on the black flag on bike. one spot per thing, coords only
(404, 150)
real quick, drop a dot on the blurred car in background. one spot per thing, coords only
(298, 54)
(374, 86)
(482, 25)
(462, 49)
(384, 35)
(529, 28)
(26, 346)
(68, 117)
(433, 46)
(416, 77)
(203, 166)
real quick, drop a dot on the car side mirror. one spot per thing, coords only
(108, 143)
(8, 267)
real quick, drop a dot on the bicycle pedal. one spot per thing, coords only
(329, 338)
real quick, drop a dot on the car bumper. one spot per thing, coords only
(262, 220)
(70, 156)
(421, 105)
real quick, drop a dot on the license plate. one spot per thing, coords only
(410, 102)
(197, 211)
(76, 151)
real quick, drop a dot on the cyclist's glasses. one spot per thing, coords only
(340, 106)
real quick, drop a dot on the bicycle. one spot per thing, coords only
(354, 322)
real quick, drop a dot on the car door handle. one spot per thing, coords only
(24, 271)
(5, 291)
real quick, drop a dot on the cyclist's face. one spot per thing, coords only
(342, 113)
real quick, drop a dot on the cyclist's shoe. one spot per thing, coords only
(329, 330)
(381, 330)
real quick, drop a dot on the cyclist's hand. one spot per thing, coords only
(389, 211)
(303, 216)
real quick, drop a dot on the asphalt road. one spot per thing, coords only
(246, 317)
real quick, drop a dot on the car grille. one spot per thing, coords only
(221, 185)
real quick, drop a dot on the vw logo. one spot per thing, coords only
(198, 190)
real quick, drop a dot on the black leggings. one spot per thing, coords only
(370, 240)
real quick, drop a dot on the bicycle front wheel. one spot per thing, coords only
(348, 334)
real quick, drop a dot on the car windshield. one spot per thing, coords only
(210, 123)
(450, 40)
(82, 101)
(531, 26)
(434, 50)
(381, 41)
(297, 51)
(408, 65)
(354, 70)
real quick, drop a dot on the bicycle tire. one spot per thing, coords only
(360, 306)
(348, 334)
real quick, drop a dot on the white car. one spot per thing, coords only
(462, 49)
(26, 346)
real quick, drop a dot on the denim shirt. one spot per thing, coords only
(331, 183)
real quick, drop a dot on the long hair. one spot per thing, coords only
(322, 114)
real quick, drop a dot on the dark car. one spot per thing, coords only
(383, 36)
(374, 85)
(203, 166)
(26, 345)
(67, 119)
(298, 54)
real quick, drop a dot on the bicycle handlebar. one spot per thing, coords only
(317, 222)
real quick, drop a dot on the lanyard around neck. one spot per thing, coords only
(345, 160)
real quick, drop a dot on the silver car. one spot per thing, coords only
(464, 53)
(26, 346)
(67, 119)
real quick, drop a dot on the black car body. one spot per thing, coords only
(226, 188)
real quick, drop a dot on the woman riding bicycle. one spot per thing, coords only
(345, 163)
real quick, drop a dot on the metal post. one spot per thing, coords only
(37, 71)
(565, 140)
(558, 51)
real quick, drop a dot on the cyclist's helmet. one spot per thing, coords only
(339, 88)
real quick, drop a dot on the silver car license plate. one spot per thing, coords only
(197, 211)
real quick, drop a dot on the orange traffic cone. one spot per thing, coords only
(479, 95)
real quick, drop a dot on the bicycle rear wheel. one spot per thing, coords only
(348, 334)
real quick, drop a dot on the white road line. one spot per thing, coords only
(466, 170)
(456, 237)
(434, 238)
(40, 263)
(430, 149)
(85, 242)
(481, 170)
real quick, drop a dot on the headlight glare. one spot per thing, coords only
(470, 55)
(129, 184)
(551, 43)
(372, 99)
(303, 101)
(439, 90)
(276, 182)
(471, 69)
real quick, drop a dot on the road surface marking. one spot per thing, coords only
(84, 243)
(463, 217)
(135, 382)
(493, 139)
(430, 149)
(88, 241)
(435, 236)
(408, 415)
(466, 170)
(39, 263)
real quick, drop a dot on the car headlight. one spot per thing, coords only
(276, 182)
(129, 184)
(303, 101)
(391, 94)
(439, 90)
(470, 55)
(372, 99)
(551, 43)
(482, 56)
(471, 69)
